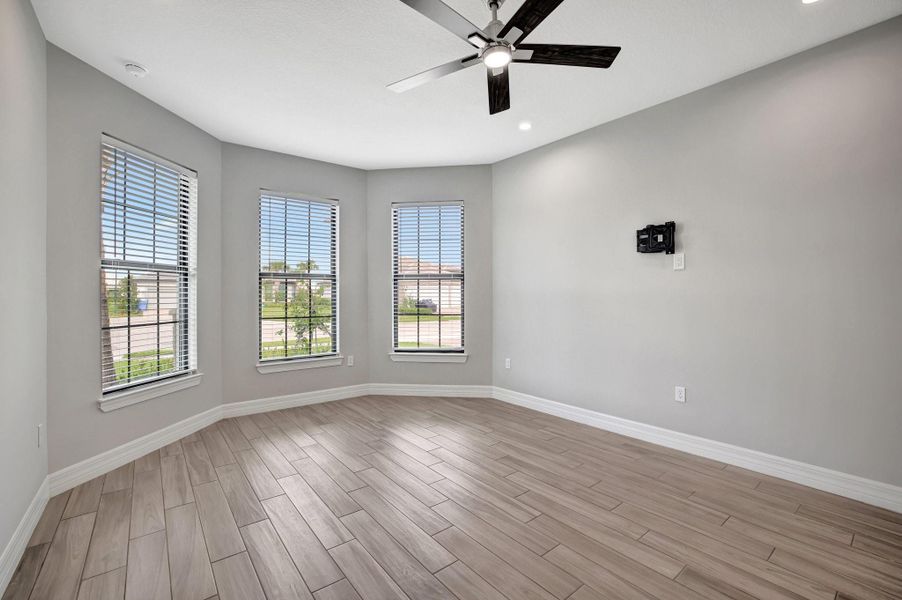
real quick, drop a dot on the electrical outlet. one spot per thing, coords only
(40, 434)
(679, 262)
(507, 363)
(350, 360)
(679, 394)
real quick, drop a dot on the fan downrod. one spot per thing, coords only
(494, 26)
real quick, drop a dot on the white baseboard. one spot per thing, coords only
(73, 475)
(869, 491)
(249, 407)
(435, 391)
(866, 490)
(14, 550)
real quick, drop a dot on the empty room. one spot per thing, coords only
(451, 300)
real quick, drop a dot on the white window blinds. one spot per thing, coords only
(148, 267)
(298, 284)
(428, 274)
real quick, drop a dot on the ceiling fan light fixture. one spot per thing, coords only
(498, 44)
(497, 57)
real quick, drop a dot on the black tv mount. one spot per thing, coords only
(656, 238)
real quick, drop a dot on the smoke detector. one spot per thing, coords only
(135, 70)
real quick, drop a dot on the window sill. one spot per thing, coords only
(429, 357)
(281, 366)
(125, 398)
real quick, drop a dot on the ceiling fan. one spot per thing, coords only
(498, 45)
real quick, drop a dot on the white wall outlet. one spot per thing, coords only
(350, 360)
(40, 434)
(679, 394)
(679, 262)
(507, 363)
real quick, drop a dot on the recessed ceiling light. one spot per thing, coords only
(135, 70)
(525, 126)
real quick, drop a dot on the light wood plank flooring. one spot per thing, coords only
(385, 497)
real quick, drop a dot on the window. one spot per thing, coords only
(147, 267)
(298, 285)
(428, 273)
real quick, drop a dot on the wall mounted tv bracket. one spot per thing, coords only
(656, 238)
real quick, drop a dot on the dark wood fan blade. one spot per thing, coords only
(530, 16)
(499, 90)
(447, 17)
(434, 73)
(599, 57)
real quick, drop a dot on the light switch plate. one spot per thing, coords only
(679, 262)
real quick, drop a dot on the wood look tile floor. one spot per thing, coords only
(384, 497)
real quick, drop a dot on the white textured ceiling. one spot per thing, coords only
(308, 77)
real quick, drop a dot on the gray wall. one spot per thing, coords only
(82, 104)
(473, 185)
(244, 171)
(786, 184)
(23, 308)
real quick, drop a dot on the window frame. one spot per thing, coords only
(185, 351)
(288, 363)
(428, 353)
